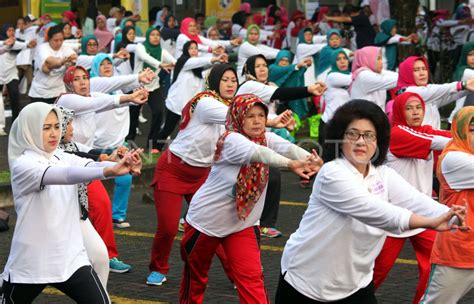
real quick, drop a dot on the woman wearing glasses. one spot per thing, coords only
(330, 258)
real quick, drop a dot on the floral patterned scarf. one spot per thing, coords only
(252, 177)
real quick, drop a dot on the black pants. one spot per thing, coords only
(83, 287)
(156, 103)
(14, 94)
(134, 114)
(171, 122)
(287, 294)
(321, 133)
(46, 100)
(272, 199)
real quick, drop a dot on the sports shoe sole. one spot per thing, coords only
(119, 271)
(156, 284)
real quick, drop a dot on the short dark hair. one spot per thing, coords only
(53, 30)
(197, 15)
(352, 110)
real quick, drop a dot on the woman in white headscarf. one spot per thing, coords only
(45, 194)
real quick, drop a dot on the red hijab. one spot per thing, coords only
(253, 177)
(184, 29)
(401, 142)
(69, 77)
(405, 72)
(71, 16)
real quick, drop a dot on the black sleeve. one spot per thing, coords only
(93, 156)
(287, 94)
(358, 20)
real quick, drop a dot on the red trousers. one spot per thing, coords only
(243, 254)
(100, 215)
(422, 243)
(168, 210)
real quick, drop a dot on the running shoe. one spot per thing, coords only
(155, 278)
(120, 223)
(270, 232)
(118, 266)
(142, 119)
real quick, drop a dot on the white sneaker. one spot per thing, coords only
(142, 119)
(2, 132)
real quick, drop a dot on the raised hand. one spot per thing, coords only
(282, 120)
(317, 89)
(139, 96)
(146, 76)
(167, 67)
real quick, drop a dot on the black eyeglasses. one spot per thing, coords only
(353, 135)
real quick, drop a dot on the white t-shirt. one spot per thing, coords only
(47, 245)
(264, 91)
(196, 143)
(336, 94)
(25, 57)
(212, 210)
(187, 84)
(373, 86)
(85, 108)
(332, 253)
(48, 85)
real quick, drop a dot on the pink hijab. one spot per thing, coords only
(104, 37)
(405, 72)
(184, 29)
(246, 7)
(364, 59)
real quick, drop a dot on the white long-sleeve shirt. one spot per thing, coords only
(196, 143)
(468, 74)
(203, 48)
(436, 96)
(84, 108)
(332, 253)
(107, 85)
(247, 50)
(213, 209)
(142, 57)
(373, 86)
(307, 50)
(458, 170)
(8, 70)
(48, 85)
(25, 57)
(187, 84)
(336, 94)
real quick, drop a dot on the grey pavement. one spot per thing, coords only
(134, 246)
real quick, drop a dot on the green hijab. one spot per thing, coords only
(153, 50)
(462, 64)
(251, 27)
(289, 77)
(301, 40)
(391, 50)
(84, 42)
(333, 61)
(324, 62)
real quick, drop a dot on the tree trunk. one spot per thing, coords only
(404, 11)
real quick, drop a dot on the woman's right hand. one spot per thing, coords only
(222, 58)
(139, 96)
(146, 76)
(442, 222)
(130, 163)
(317, 89)
(303, 168)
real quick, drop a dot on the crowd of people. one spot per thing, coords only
(235, 95)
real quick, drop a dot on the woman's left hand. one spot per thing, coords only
(281, 121)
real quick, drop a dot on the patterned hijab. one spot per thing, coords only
(212, 90)
(252, 177)
(460, 132)
(71, 147)
(69, 77)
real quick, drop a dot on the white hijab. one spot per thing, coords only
(27, 131)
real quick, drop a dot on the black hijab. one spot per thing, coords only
(239, 18)
(123, 44)
(182, 61)
(169, 33)
(249, 67)
(213, 81)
